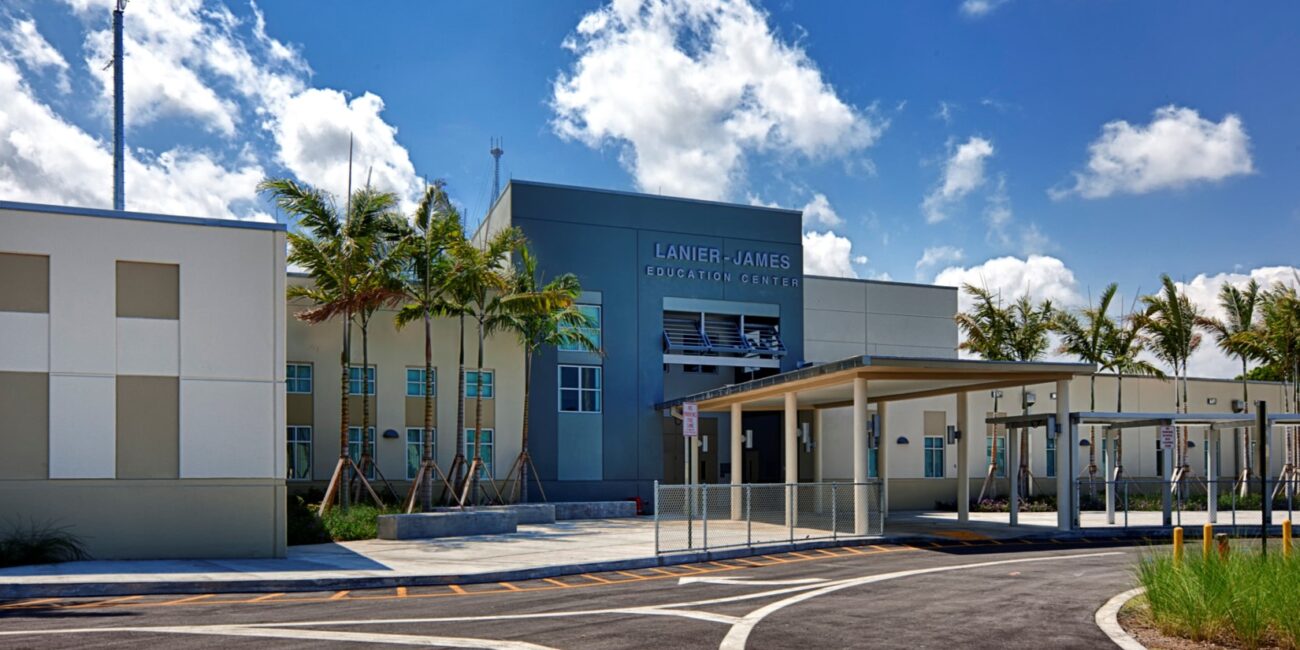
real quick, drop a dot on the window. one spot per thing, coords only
(934, 456)
(415, 382)
(1051, 455)
(580, 389)
(299, 455)
(592, 312)
(699, 369)
(873, 467)
(1002, 455)
(485, 451)
(354, 449)
(471, 384)
(297, 378)
(354, 380)
(415, 449)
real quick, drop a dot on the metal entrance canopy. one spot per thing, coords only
(1117, 421)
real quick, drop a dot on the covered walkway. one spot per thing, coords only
(862, 381)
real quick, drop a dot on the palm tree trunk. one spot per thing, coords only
(345, 481)
(426, 496)
(478, 416)
(523, 432)
(366, 458)
(1092, 431)
(459, 463)
(1119, 408)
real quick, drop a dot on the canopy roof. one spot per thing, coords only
(830, 385)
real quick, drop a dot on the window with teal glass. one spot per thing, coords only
(934, 456)
(297, 378)
(415, 382)
(592, 312)
(1051, 455)
(354, 449)
(415, 449)
(485, 451)
(471, 384)
(299, 453)
(1001, 467)
(355, 381)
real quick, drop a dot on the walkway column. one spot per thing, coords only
(817, 459)
(737, 456)
(1108, 436)
(963, 458)
(1066, 453)
(1212, 473)
(1013, 463)
(860, 494)
(790, 430)
(882, 456)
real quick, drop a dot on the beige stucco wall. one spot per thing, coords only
(392, 351)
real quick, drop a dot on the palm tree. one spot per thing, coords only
(986, 327)
(550, 316)
(1086, 336)
(331, 246)
(1277, 345)
(481, 274)
(1030, 324)
(1170, 323)
(433, 227)
(1234, 336)
(1122, 352)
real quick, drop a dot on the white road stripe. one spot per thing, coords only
(746, 581)
(738, 635)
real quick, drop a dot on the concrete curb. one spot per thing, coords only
(86, 589)
(1108, 620)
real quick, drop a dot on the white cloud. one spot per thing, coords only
(1203, 290)
(826, 253)
(945, 111)
(22, 41)
(935, 256)
(980, 8)
(1040, 276)
(312, 131)
(818, 211)
(963, 173)
(687, 88)
(1176, 149)
(189, 63)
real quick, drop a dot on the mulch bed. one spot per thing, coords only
(1135, 619)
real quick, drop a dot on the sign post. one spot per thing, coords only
(690, 433)
(1168, 438)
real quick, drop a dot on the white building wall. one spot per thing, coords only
(846, 317)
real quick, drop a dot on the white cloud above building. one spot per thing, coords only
(963, 173)
(826, 253)
(685, 90)
(1176, 149)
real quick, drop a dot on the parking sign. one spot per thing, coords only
(690, 419)
(1167, 436)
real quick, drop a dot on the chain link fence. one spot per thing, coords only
(703, 517)
(1142, 501)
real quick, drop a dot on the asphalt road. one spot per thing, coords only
(957, 596)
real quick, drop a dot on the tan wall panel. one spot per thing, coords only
(489, 413)
(25, 425)
(935, 423)
(24, 283)
(298, 409)
(148, 427)
(355, 411)
(147, 290)
(158, 519)
(415, 411)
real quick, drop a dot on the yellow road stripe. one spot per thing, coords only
(509, 586)
(340, 595)
(401, 592)
(266, 597)
(29, 603)
(633, 575)
(457, 588)
(183, 601)
(880, 548)
(597, 578)
(557, 582)
(100, 603)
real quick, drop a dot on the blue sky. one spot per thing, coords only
(929, 141)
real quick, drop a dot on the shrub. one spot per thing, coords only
(304, 527)
(1247, 600)
(356, 522)
(35, 543)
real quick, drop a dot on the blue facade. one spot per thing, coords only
(631, 252)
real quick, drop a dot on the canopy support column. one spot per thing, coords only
(963, 457)
(882, 456)
(1013, 461)
(860, 416)
(1212, 473)
(791, 430)
(1066, 453)
(1108, 466)
(737, 456)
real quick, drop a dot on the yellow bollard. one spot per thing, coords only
(1207, 541)
(1178, 545)
(1286, 538)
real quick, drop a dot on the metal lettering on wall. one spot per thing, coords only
(749, 263)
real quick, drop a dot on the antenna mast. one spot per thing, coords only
(119, 176)
(496, 152)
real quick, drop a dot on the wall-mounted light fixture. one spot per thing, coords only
(806, 435)
(1211, 400)
(1085, 443)
(995, 394)
(390, 433)
(902, 440)
(954, 434)
(704, 444)
(1031, 398)
(1052, 395)
(749, 438)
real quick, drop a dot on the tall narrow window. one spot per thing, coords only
(297, 378)
(415, 449)
(580, 389)
(1051, 455)
(354, 449)
(356, 383)
(934, 456)
(1001, 467)
(471, 384)
(415, 382)
(485, 451)
(873, 468)
(592, 312)
(299, 453)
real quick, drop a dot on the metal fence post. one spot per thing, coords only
(705, 510)
(794, 508)
(656, 506)
(835, 507)
(749, 522)
(690, 516)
